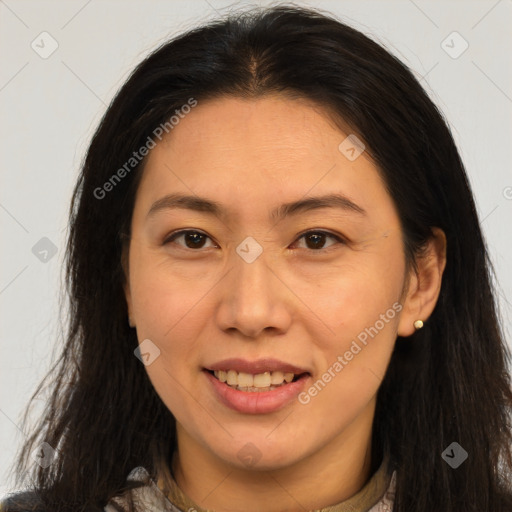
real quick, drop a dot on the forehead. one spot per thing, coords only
(274, 122)
(271, 133)
(239, 150)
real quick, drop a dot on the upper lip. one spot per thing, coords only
(256, 367)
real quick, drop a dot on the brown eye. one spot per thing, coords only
(192, 239)
(315, 240)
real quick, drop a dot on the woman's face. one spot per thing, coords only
(314, 286)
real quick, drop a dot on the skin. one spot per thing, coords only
(297, 302)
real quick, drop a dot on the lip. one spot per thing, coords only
(257, 402)
(258, 366)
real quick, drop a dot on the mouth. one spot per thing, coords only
(256, 387)
(258, 383)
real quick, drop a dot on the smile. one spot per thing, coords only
(253, 394)
(247, 382)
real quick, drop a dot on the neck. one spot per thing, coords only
(329, 476)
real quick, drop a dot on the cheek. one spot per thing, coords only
(162, 298)
(362, 310)
(354, 367)
(353, 296)
(168, 312)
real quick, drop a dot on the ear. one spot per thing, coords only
(424, 284)
(126, 283)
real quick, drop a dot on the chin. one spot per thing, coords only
(260, 454)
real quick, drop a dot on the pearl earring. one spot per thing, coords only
(418, 324)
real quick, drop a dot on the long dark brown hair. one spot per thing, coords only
(447, 383)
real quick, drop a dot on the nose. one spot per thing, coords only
(254, 298)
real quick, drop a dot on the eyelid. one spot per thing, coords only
(341, 239)
(176, 234)
(338, 237)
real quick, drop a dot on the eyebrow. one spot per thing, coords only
(204, 205)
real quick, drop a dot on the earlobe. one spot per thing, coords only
(424, 286)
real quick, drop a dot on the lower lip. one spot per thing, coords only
(256, 402)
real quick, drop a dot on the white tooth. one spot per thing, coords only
(277, 378)
(232, 378)
(262, 380)
(245, 380)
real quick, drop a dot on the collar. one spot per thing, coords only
(377, 495)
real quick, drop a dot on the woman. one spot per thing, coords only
(281, 296)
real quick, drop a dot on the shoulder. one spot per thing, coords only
(28, 501)
(24, 501)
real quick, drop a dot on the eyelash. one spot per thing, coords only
(338, 238)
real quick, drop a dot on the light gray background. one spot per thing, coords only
(50, 107)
